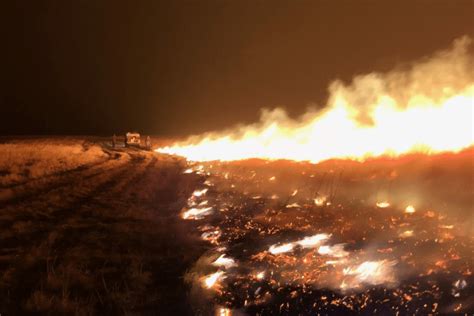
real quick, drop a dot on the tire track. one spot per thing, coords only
(72, 171)
(38, 187)
(91, 191)
(43, 209)
(56, 224)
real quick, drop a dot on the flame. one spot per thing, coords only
(427, 108)
(406, 234)
(260, 275)
(410, 209)
(370, 272)
(312, 241)
(334, 251)
(225, 262)
(212, 279)
(320, 200)
(306, 242)
(383, 204)
(275, 250)
(212, 236)
(199, 193)
(196, 213)
(223, 311)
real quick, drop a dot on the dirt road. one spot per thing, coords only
(100, 238)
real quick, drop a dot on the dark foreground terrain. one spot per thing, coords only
(87, 229)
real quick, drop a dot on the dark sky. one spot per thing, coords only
(178, 67)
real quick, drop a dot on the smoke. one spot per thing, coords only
(432, 79)
(429, 80)
(424, 106)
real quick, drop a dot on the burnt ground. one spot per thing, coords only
(102, 238)
(420, 259)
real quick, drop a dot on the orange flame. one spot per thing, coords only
(427, 108)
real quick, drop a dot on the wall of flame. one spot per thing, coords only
(425, 107)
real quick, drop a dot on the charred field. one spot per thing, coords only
(384, 236)
(92, 230)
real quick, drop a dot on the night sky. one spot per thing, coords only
(178, 67)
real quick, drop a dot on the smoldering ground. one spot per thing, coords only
(398, 235)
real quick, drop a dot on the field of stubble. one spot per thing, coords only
(87, 229)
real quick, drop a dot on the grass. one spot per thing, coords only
(100, 240)
(26, 160)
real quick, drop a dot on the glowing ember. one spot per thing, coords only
(275, 250)
(371, 272)
(383, 204)
(222, 261)
(410, 209)
(307, 242)
(222, 311)
(312, 241)
(211, 280)
(460, 284)
(334, 251)
(406, 234)
(319, 201)
(199, 193)
(446, 226)
(196, 213)
(211, 236)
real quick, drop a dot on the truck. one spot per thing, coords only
(132, 139)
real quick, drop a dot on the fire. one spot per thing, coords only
(211, 280)
(196, 213)
(370, 272)
(272, 224)
(275, 250)
(212, 236)
(306, 242)
(383, 204)
(410, 209)
(225, 262)
(199, 193)
(334, 251)
(312, 241)
(320, 200)
(406, 234)
(222, 311)
(427, 108)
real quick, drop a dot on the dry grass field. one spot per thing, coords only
(86, 229)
